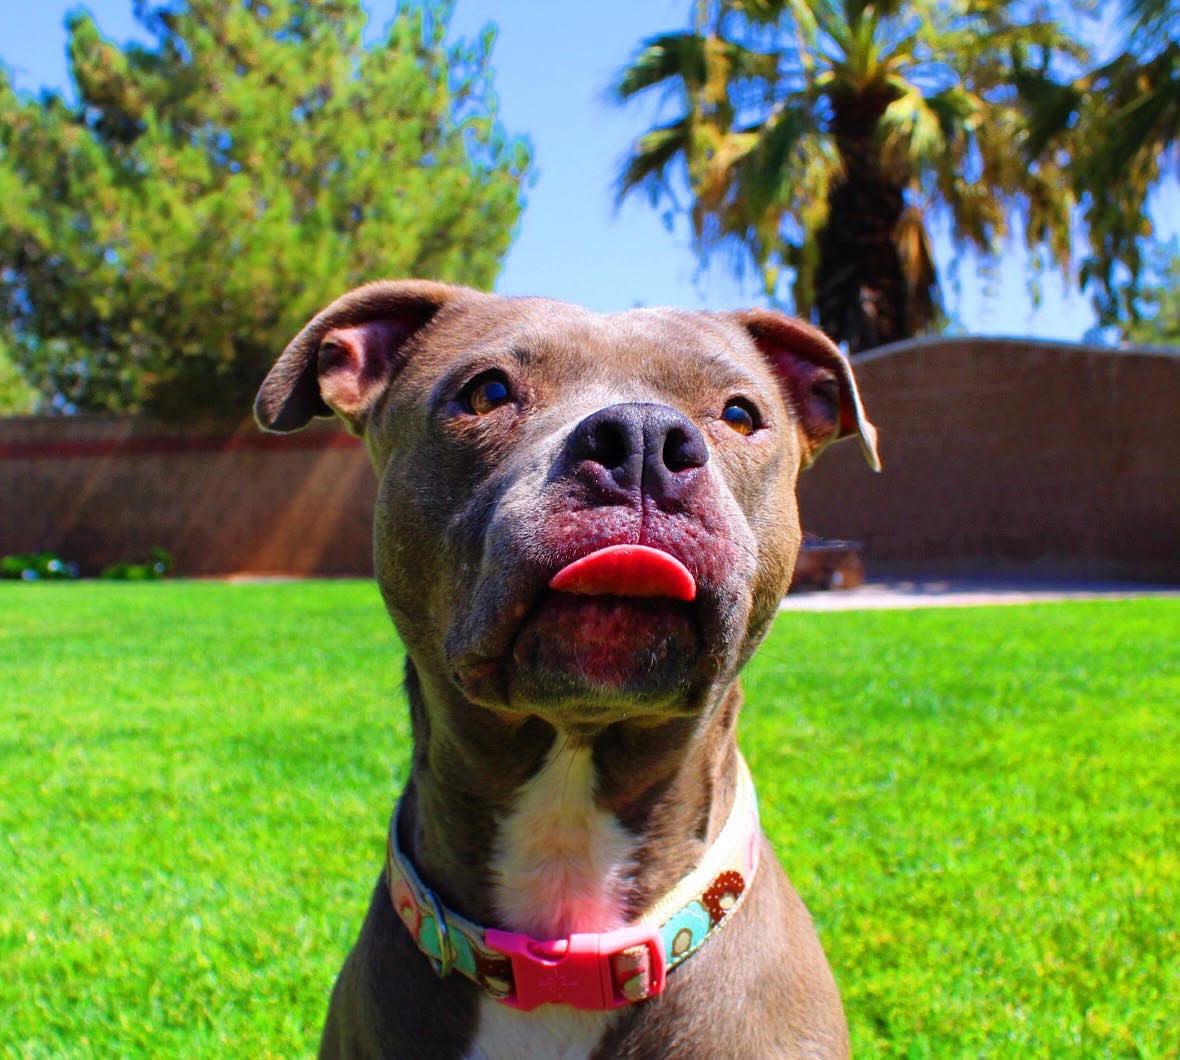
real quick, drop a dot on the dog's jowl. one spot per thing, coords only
(584, 526)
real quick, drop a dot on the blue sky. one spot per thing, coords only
(553, 62)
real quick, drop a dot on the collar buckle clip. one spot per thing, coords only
(590, 971)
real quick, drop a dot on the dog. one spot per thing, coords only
(584, 526)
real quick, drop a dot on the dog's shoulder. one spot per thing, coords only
(388, 1002)
(761, 987)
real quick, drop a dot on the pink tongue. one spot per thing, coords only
(626, 570)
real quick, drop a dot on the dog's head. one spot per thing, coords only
(514, 437)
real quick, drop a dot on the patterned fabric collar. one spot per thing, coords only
(595, 971)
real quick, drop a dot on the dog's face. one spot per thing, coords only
(512, 437)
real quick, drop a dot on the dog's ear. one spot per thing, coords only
(817, 380)
(347, 354)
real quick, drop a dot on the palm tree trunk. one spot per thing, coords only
(861, 290)
(860, 286)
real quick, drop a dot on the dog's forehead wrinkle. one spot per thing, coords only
(683, 356)
(663, 356)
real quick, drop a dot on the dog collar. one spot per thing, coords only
(587, 970)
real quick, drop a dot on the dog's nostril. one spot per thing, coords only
(610, 440)
(683, 450)
(609, 444)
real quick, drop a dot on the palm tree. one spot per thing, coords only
(1121, 124)
(818, 135)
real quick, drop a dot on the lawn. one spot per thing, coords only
(979, 807)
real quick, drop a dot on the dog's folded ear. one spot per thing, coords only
(348, 353)
(817, 380)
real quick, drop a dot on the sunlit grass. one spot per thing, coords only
(977, 805)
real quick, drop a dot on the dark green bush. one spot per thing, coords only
(48, 566)
(37, 566)
(158, 563)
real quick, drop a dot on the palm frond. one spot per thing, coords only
(648, 161)
(1144, 115)
(957, 110)
(804, 16)
(1051, 106)
(677, 57)
(771, 161)
(912, 129)
(915, 254)
(1153, 23)
(695, 61)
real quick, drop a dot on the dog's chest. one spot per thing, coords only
(560, 864)
(551, 1032)
(560, 860)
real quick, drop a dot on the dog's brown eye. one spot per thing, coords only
(741, 416)
(486, 393)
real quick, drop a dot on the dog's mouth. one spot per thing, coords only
(614, 632)
(588, 651)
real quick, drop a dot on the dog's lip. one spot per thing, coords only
(627, 570)
(602, 638)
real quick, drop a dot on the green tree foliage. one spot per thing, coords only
(818, 135)
(17, 398)
(162, 237)
(1157, 318)
(1120, 122)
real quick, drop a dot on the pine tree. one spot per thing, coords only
(163, 236)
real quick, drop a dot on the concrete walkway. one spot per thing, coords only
(966, 593)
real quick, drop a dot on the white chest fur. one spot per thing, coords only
(559, 865)
(551, 1032)
(560, 860)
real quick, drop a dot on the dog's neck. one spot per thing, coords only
(518, 825)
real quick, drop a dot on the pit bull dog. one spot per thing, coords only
(583, 529)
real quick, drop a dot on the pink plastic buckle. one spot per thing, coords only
(577, 970)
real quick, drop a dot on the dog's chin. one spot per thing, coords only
(596, 659)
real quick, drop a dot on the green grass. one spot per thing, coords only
(979, 807)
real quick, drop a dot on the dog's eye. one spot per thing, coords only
(741, 416)
(486, 393)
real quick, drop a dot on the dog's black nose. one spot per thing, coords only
(632, 446)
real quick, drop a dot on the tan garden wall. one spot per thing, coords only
(220, 498)
(1011, 457)
(1001, 457)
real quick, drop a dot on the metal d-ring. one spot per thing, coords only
(446, 949)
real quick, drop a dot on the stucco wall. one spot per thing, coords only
(1001, 457)
(1011, 457)
(220, 497)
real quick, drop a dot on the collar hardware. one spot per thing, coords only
(594, 971)
(445, 961)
